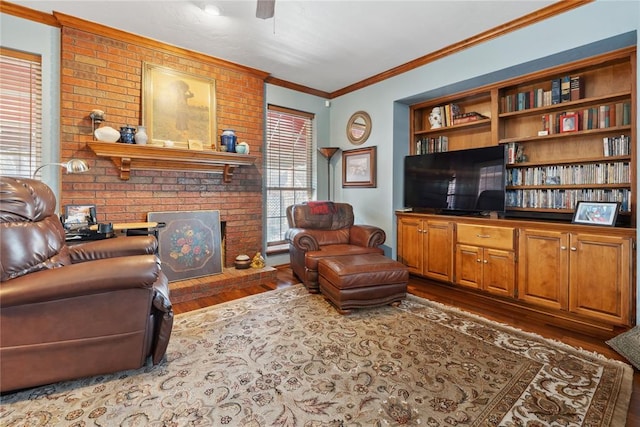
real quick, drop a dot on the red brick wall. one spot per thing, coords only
(105, 72)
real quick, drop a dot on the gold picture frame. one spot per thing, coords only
(359, 168)
(178, 107)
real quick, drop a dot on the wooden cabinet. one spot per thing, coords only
(571, 133)
(584, 273)
(556, 165)
(485, 258)
(426, 246)
(543, 273)
(570, 272)
(600, 277)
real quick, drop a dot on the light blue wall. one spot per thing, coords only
(384, 101)
(577, 33)
(29, 36)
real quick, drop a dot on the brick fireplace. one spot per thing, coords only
(102, 69)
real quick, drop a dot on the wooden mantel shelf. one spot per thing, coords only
(128, 157)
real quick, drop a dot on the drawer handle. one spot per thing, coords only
(478, 260)
(486, 262)
(483, 236)
(563, 248)
(573, 248)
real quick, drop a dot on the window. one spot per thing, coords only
(20, 113)
(289, 167)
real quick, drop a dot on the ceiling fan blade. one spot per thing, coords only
(265, 9)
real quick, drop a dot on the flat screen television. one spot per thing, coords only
(463, 181)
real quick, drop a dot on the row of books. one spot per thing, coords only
(427, 145)
(590, 173)
(447, 112)
(616, 145)
(598, 117)
(563, 89)
(566, 199)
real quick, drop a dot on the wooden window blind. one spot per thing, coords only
(20, 112)
(289, 166)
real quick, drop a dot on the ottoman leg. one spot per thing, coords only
(338, 309)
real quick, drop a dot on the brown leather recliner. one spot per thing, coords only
(326, 229)
(73, 311)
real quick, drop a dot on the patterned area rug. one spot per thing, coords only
(286, 358)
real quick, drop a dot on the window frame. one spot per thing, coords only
(21, 112)
(296, 192)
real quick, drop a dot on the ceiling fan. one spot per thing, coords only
(265, 9)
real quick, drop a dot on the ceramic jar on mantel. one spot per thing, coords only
(228, 140)
(141, 136)
(126, 134)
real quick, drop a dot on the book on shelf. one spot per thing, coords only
(616, 145)
(427, 145)
(576, 88)
(555, 91)
(565, 89)
(468, 117)
(512, 152)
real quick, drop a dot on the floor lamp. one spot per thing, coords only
(327, 153)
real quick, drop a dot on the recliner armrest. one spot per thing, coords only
(112, 248)
(163, 318)
(368, 236)
(86, 278)
(302, 239)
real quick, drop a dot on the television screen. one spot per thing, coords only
(471, 180)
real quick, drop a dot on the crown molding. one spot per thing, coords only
(59, 20)
(26, 13)
(516, 24)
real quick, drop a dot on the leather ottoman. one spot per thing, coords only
(358, 281)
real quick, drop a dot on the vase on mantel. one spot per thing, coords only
(141, 136)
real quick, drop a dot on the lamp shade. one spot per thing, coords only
(328, 152)
(72, 166)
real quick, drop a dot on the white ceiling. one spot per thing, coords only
(321, 44)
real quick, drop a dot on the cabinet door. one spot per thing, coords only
(410, 244)
(543, 270)
(498, 272)
(438, 262)
(600, 277)
(469, 266)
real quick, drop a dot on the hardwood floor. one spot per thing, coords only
(445, 295)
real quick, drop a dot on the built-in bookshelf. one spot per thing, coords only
(570, 129)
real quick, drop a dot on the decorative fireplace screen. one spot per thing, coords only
(189, 244)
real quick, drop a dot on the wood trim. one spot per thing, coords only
(516, 24)
(128, 157)
(59, 19)
(294, 86)
(26, 13)
(102, 30)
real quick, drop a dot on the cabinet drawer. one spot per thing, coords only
(486, 236)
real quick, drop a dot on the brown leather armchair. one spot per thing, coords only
(73, 311)
(325, 229)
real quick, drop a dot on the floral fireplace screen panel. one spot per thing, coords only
(189, 243)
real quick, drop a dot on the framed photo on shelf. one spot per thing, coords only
(596, 213)
(178, 107)
(359, 168)
(569, 123)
